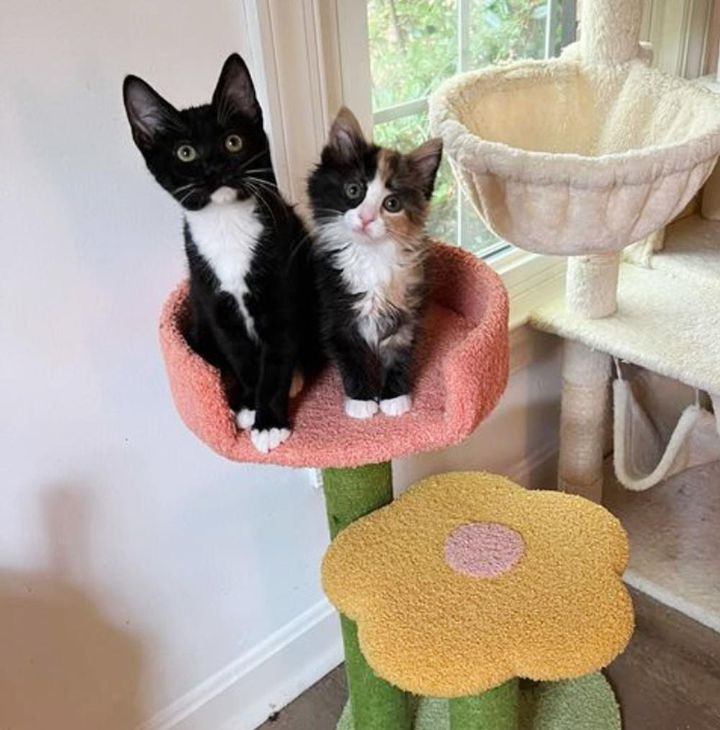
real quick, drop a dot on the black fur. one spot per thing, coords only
(379, 369)
(280, 296)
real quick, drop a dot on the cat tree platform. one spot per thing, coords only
(583, 156)
(462, 372)
(468, 582)
(664, 322)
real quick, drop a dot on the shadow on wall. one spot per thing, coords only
(63, 666)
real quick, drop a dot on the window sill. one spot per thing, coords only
(531, 280)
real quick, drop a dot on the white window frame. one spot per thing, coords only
(304, 74)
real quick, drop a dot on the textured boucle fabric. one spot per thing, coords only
(586, 703)
(559, 157)
(561, 612)
(462, 369)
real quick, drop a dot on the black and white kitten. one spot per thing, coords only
(370, 205)
(251, 291)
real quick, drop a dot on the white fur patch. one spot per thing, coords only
(377, 268)
(269, 439)
(396, 406)
(360, 408)
(245, 418)
(225, 232)
(369, 210)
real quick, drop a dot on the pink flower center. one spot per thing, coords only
(484, 549)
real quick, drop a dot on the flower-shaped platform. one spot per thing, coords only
(559, 157)
(462, 369)
(467, 581)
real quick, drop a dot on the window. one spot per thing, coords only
(413, 46)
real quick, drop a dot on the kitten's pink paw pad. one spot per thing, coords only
(396, 406)
(245, 419)
(360, 408)
(268, 439)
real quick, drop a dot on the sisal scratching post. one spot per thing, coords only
(497, 709)
(586, 374)
(351, 494)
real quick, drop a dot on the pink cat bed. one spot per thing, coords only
(462, 369)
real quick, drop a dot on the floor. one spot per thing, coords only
(668, 679)
(674, 531)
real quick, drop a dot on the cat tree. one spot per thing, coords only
(499, 542)
(582, 156)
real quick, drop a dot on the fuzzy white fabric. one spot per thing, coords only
(674, 532)
(641, 458)
(610, 30)
(592, 284)
(562, 158)
(690, 250)
(665, 323)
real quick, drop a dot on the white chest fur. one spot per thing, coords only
(226, 235)
(377, 273)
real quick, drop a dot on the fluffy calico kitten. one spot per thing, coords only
(247, 250)
(370, 206)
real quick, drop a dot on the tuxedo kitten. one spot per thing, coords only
(250, 288)
(369, 205)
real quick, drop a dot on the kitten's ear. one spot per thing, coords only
(425, 161)
(346, 135)
(148, 113)
(235, 92)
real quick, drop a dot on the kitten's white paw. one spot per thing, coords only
(360, 408)
(245, 418)
(396, 406)
(269, 439)
(298, 381)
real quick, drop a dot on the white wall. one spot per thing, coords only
(167, 562)
(141, 577)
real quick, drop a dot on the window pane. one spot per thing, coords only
(405, 134)
(413, 46)
(503, 31)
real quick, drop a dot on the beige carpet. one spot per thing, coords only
(674, 533)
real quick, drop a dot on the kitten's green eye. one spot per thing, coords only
(392, 204)
(353, 190)
(233, 143)
(186, 153)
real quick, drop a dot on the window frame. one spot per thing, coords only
(304, 74)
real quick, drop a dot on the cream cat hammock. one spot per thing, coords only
(582, 156)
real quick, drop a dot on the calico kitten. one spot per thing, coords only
(369, 205)
(250, 289)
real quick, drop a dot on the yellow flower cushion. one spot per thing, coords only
(468, 580)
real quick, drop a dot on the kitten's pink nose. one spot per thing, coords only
(366, 219)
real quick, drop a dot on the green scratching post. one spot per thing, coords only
(497, 709)
(349, 495)
(353, 493)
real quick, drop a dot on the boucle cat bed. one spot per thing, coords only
(468, 581)
(462, 372)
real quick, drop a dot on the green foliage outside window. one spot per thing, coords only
(414, 47)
